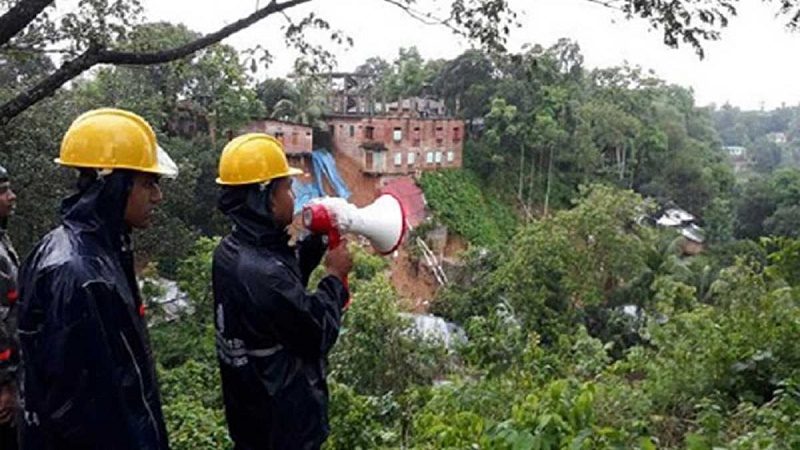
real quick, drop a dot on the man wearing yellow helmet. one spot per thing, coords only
(272, 334)
(88, 379)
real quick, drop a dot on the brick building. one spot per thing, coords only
(297, 139)
(386, 145)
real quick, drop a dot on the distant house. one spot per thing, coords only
(693, 240)
(735, 151)
(738, 157)
(675, 217)
(692, 236)
(778, 137)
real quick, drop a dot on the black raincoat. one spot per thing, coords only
(88, 380)
(272, 335)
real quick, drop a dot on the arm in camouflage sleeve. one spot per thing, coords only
(8, 295)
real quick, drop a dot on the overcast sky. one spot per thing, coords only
(755, 64)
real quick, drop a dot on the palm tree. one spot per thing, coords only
(306, 104)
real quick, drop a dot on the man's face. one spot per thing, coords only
(143, 199)
(8, 200)
(282, 202)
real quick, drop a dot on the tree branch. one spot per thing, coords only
(19, 16)
(46, 87)
(425, 18)
(607, 3)
(33, 50)
(96, 55)
(131, 58)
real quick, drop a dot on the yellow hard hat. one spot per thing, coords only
(109, 138)
(253, 158)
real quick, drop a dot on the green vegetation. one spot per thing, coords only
(552, 360)
(586, 328)
(458, 200)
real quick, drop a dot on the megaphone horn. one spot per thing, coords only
(383, 223)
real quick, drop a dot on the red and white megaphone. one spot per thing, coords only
(383, 222)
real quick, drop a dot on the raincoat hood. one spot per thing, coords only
(250, 209)
(99, 206)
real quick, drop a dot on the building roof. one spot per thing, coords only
(410, 196)
(283, 122)
(674, 217)
(694, 233)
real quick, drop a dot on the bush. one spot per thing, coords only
(458, 201)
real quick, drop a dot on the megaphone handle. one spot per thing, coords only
(334, 238)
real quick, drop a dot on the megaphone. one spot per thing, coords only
(383, 222)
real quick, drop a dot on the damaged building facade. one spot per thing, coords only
(395, 145)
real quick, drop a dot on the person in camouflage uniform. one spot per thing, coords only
(9, 262)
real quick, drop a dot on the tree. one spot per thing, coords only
(464, 84)
(410, 74)
(273, 90)
(305, 102)
(91, 33)
(691, 22)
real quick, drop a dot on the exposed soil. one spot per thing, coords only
(455, 245)
(363, 187)
(414, 282)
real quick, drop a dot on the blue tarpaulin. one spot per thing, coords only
(324, 166)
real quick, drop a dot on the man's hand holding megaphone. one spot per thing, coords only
(338, 262)
(383, 222)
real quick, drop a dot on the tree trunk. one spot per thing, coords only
(549, 180)
(532, 181)
(521, 169)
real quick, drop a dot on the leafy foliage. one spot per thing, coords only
(459, 202)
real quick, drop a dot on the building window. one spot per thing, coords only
(456, 134)
(438, 157)
(352, 131)
(369, 133)
(429, 157)
(411, 158)
(451, 156)
(398, 159)
(369, 160)
(295, 138)
(397, 135)
(416, 137)
(278, 135)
